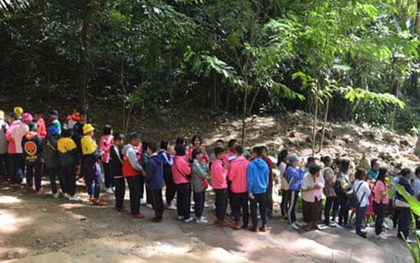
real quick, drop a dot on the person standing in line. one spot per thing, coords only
(17, 130)
(67, 153)
(329, 178)
(33, 158)
(181, 171)
(170, 190)
(220, 186)
(362, 190)
(154, 181)
(283, 165)
(401, 205)
(132, 171)
(239, 189)
(257, 179)
(269, 192)
(341, 187)
(54, 121)
(4, 156)
(294, 177)
(105, 146)
(198, 178)
(380, 203)
(42, 128)
(374, 169)
(91, 155)
(312, 185)
(116, 164)
(52, 161)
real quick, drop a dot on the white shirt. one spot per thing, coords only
(362, 192)
(309, 183)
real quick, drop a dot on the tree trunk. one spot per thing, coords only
(244, 114)
(84, 53)
(417, 149)
(327, 108)
(314, 125)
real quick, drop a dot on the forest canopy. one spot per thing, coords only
(346, 60)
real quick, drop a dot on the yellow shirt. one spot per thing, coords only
(65, 145)
(88, 145)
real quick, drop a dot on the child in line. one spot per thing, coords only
(199, 174)
(89, 165)
(154, 180)
(105, 146)
(168, 159)
(219, 181)
(32, 154)
(180, 171)
(116, 163)
(51, 158)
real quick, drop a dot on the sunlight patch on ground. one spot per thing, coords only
(7, 199)
(10, 222)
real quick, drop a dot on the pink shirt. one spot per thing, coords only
(380, 189)
(227, 156)
(189, 154)
(237, 175)
(105, 146)
(17, 129)
(218, 175)
(180, 169)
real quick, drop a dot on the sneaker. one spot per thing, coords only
(361, 234)
(348, 225)
(55, 195)
(381, 236)
(139, 216)
(74, 198)
(201, 220)
(332, 224)
(409, 241)
(172, 207)
(254, 229)
(300, 224)
(142, 201)
(157, 220)
(190, 219)
(222, 223)
(108, 190)
(149, 206)
(295, 226)
(237, 225)
(66, 195)
(264, 228)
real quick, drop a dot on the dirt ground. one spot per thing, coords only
(39, 228)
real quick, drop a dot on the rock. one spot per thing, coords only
(412, 157)
(369, 135)
(387, 137)
(405, 143)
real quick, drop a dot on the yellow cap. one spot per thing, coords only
(18, 111)
(87, 128)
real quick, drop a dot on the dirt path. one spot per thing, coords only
(39, 228)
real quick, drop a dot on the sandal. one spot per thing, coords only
(99, 202)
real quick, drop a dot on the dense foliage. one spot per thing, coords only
(356, 60)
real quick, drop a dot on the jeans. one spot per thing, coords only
(343, 213)
(134, 187)
(329, 202)
(240, 202)
(34, 170)
(199, 199)
(221, 203)
(261, 201)
(68, 174)
(360, 214)
(53, 173)
(170, 188)
(183, 192)
(379, 210)
(157, 202)
(404, 220)
(17, 168)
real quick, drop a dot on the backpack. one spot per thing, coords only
(337, 187)
(354, 202)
